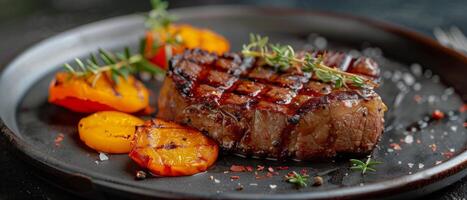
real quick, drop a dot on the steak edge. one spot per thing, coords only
(252, 110)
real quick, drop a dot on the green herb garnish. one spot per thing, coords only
(299, 180)
(114, 65)
(159, 17)
(364, 166)
(283, 56)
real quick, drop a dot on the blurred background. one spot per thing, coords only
(26, 22)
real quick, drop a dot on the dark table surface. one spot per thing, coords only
(25, 22)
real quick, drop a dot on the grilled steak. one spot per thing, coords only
(252, 110)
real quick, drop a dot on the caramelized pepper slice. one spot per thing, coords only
(169, 149)
(109, 131)
(191, 37)
(90, 94)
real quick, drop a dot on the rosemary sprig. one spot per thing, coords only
(114, 65)
(364, 166)
(299, 180)
(283, 56)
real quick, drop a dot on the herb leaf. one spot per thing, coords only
(158, 17)
(364, 166)
(116, 66)
(282, 57)
(299, 180)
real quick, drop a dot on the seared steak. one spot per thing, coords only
(250, 109)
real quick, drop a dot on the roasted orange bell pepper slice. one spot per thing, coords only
(91, 94)
(169, 149)
(191, 37)
(109, 131)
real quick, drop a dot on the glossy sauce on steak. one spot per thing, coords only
(253, 110)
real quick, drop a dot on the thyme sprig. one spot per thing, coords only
(283, 56)
(159, 17)
(157, 23)
(299, 180)
(113, 65)
(364, 166)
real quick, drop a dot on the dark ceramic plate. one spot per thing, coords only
(419, 76)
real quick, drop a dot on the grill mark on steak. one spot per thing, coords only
(251, 91)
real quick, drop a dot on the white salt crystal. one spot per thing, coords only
(103, 156)
(408, 139)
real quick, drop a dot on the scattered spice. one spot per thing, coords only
(408, 139)
(433, 147)
(282, 168)
(239, 187)
(140, 175)
(249, 168)
(270, 169)
(421, 165)
(269, 175)
(417, 98)
(395, 146)
(237, 168)
(317, 181)
(234, 177)
(260, 168)
(463, 108)
(437, 115)
(103, 157)
(58, 140)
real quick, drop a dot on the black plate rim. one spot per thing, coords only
(454, 167)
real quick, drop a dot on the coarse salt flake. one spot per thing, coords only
(420, 165)
(103, 156)
(408, 139)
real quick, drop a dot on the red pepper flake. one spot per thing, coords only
(304, 171)
(448, 154)
(260, 168)
(437, 115)
(433, 147)
(290, 174)
(234, 177)
(239, 187)
(463, 108)
(58, 140)
(395, 146)
(269, 175)
(270, 169)
(259, 177)
(249, 168)
(417, 98)
(282, 168)
(465, 124)
(237, 168)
